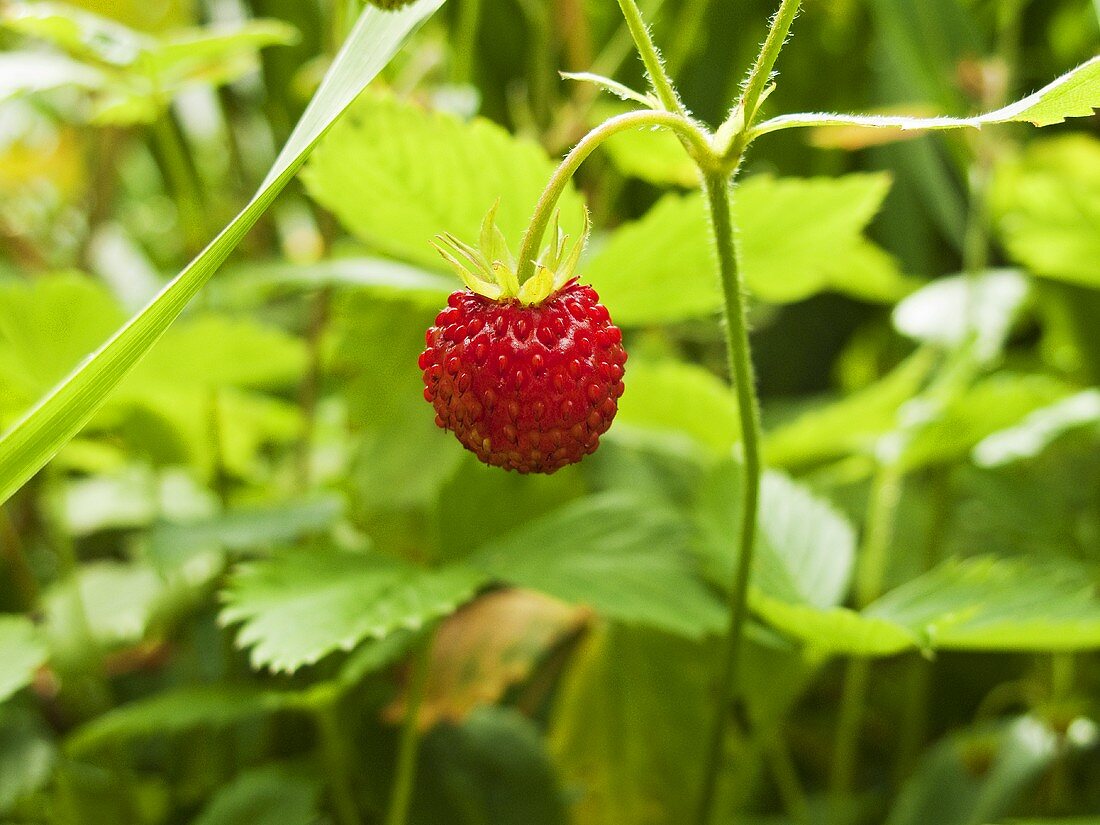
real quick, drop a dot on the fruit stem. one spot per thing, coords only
(716, 185)
(401, 797)
(658, 77)
(544, 210)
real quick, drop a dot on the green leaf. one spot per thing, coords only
(396, 175)
(58, 416)
(270, 795)
(949, 311)
(989, 603)
(210, 707)
(27, 756)
(492, 769)
(1039, 429)
(624, 557)
(653, 155)
(850, 426)
(21, 651)
(243, 528)
(798, 237)
(682, 397)
(991, 404)
(977, 774)
(1074, 94)
(111, 601)
(298, 606)
(1046, 206)
(27, 72)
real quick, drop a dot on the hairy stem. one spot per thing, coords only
(716, 185)
(761, 71)
(544, 210)
(410, 737)
(658, 77)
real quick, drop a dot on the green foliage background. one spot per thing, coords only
(212, 598)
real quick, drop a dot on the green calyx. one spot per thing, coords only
(490, 268)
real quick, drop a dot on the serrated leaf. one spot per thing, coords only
(60, 414)
(22, 652)
(623, 557)
(210, 707)
(1038, 430)
(1074, 94)
(990, 603)
(396, 175)
(1046, 206)
(794, 238)
(296, 607)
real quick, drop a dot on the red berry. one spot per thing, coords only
(527, 388)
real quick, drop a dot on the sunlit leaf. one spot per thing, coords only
(59, 415)
(397, 175)
(1039, 429)
(797, 237)
(1074, 94)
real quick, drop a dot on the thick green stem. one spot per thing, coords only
(544, 210)
(718, 199)
(410, 737)
(658, 77)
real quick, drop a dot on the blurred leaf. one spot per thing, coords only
(976, 775)
(1074, 94)
(627, 726)
(623, 557)
(27, 72)
(264, 796)
(485, 648)
(176, 711)
(135, 75)
(683, 397)
(850, 426)
(991, 404)
(244, 528)
(32, 441)
(109, 601)
(797, 237)
(397, 175)
(27, 755)
(1038, 430)
(21, 651)
(948, 311)
(298, 606)
(999, 604)
(1047, 207)
(492, 769)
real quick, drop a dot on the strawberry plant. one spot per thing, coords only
(802, 409)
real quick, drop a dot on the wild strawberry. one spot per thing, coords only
(527, 376)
